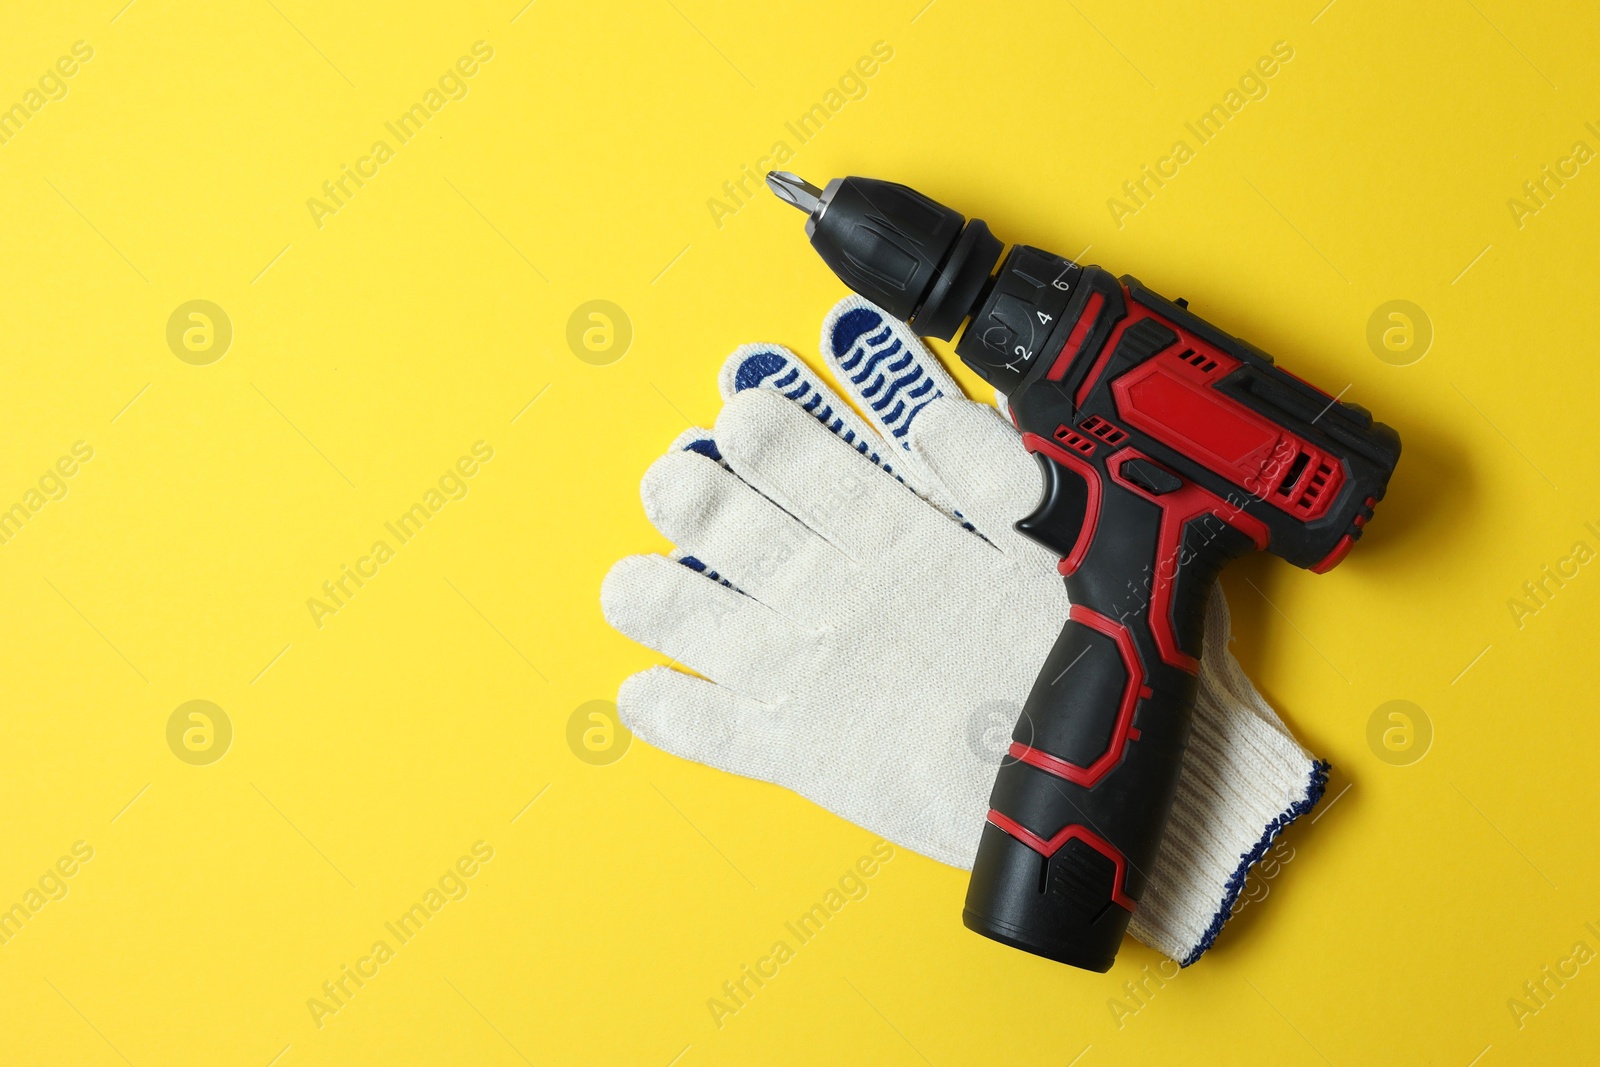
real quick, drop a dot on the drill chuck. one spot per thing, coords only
(928, 266)
(915, 258)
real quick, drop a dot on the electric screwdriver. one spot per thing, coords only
(1167, 449)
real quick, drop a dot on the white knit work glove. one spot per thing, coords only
(872, 622)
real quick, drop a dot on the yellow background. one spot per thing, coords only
(426, 715)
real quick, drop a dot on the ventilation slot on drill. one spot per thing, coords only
(1295, 470)
(1199, 360)
(1074, 440)
(1104, 430)
(1315, 485)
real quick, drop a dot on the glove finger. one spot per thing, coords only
(709, 628)
(980, 461)
(697, 439)
(776, 369)
(711, 514)
(707, 723)
(819, 479)
(883, 367)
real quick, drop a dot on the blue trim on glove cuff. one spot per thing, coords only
(1317, 785)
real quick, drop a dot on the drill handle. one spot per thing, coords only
(1081, 802)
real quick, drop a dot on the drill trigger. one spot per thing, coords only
(1068, 511)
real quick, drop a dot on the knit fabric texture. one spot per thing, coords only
(866, 623)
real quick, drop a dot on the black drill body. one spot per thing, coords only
(1167, 449)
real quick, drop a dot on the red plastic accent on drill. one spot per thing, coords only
(1135, 313)
(1166, 398)
(1091, 515)
(1178, 508)
(1074, 440)
(1172, 397)
(1072, 832)
(1109, 432)
(1347, 542)
(1121, 733)
(1080, 330)
(1333, 559)
(1366, 516)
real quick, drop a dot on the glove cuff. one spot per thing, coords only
(1245, 779)
(1315, 786)
(1240, 790)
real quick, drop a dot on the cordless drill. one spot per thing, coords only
(1168, 448)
